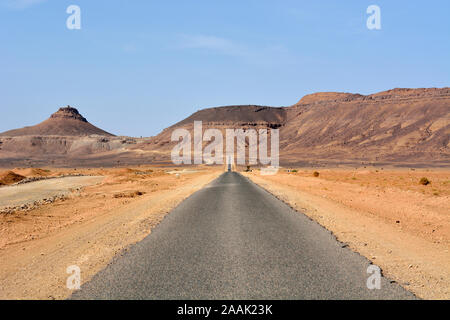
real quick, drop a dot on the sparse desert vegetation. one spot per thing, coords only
(129, 194)
(424, 181)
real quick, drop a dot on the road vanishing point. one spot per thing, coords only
(234, 240)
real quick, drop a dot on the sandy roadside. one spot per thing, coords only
(386, 216)
(87, 230)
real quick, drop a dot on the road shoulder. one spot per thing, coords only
(416, 263)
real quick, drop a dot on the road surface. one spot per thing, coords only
(234, 240)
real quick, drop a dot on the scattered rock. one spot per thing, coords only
(31, 206)
(130, 194)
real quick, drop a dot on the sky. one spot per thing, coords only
(138, 66)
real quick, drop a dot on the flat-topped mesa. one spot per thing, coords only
(394, 94)
(327, 97)
(68, 113)
(412, 93)
(237, 115)
(400, 126)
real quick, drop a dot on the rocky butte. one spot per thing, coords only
(403, 127)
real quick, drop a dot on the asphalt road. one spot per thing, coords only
(234, 240)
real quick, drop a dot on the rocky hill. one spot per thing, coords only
(400, 125)
(66, 121)
(65, 139)
(405, 127)
(409, 126)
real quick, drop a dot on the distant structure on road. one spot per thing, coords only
(229, 163)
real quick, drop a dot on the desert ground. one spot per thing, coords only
(110, 210)
(86, 217)
(386, 215)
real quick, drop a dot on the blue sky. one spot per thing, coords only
(138, 66)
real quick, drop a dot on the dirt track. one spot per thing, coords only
(34, 191)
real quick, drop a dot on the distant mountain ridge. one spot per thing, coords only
(400, 126)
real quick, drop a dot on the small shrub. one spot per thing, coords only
(130, 194)
(424, 181)
(316, 174)
(294, 170)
